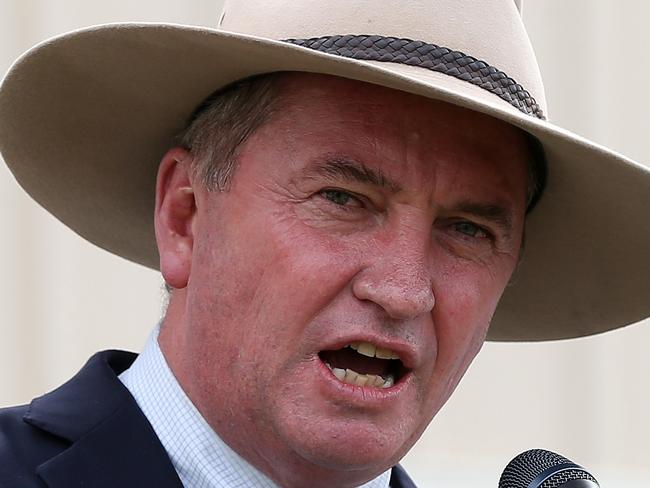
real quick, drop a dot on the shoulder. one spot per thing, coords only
(23, 448)
(31, 435)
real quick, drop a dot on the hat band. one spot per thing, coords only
(428, 56)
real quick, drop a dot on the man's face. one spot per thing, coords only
(357, 215)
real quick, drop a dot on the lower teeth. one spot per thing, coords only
(351, 377)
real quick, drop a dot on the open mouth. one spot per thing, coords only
(364, 364)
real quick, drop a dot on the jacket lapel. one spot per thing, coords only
(399, 478)
(111, 441)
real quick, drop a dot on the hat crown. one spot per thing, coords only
(489, 30)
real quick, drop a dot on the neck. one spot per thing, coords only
(294, 470)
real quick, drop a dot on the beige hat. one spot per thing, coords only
(85, 118)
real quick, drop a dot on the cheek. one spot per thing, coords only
(464, 307)
(467, 292)
(267, 278)
(318, 263)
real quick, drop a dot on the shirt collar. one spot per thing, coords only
(198, 454)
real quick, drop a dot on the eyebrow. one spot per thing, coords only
(340, 167)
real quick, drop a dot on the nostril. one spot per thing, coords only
(399, 302)
(403, 291)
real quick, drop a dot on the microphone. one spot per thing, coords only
(538, 468)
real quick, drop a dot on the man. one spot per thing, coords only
(335, 242)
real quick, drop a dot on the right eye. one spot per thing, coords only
(470, 229)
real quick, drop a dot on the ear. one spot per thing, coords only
(174, 215)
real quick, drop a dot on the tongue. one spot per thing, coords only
(347, 358)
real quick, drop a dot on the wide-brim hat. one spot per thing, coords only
(85, 118)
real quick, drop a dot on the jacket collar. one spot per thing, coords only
(112, 443)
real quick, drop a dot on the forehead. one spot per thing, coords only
(409, 135)
(347, 96)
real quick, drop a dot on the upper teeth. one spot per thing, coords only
(373, 351)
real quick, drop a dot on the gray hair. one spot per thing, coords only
(223, 122)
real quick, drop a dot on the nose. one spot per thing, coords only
(399, 282)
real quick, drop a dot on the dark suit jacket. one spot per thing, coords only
(90, 433)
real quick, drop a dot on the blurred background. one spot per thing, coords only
(62, 299)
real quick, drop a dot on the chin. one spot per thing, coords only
(352, 446)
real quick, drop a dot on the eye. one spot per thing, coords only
(471, 230)
(340, 197)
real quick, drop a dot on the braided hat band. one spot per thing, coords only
(428, 56)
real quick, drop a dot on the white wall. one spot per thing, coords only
(61, 299)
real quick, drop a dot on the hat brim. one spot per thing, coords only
(87, 116)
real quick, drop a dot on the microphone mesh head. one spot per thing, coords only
(558, 479)
(523, 469)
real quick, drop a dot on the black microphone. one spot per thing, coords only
(538, 468)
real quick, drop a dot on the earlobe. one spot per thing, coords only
(174, 215)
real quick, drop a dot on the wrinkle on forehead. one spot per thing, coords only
(407, 136)
(393, 111)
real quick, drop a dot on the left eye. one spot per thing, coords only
(470, 229)
(339, 197)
